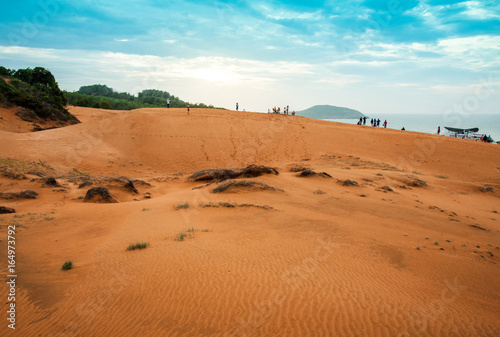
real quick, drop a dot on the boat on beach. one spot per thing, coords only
(471, 133)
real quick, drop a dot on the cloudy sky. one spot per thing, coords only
(388, 56)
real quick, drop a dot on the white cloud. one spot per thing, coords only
(476, 52)
(464, 44)
(283, 13)
(212, 69)
(476, 10)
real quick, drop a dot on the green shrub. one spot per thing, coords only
(181, 236)
(138, 245)
(67, 265)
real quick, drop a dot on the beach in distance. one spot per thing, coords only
(488, 124)
(156, 222)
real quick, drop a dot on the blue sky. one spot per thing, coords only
(394, 56)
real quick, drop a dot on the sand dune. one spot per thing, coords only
(408, 247)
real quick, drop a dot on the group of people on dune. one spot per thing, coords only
(286, 110)
(373, 122)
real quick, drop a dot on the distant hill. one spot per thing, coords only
(104, 97)
(330, 112)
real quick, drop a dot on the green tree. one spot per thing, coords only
(6, 72)
(104, 104)
(83, 101)
(96, 89)
(24, 75)
(43, 77)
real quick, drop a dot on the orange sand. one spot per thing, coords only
(326, 260)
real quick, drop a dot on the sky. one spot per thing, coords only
(390, 56)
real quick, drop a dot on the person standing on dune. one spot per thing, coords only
(188, 109)
(237, 106)
(168, 102)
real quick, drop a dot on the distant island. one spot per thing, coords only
(330, 112)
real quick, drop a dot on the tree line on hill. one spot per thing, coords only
(104, 97)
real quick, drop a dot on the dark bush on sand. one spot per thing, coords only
(99, 194)
(28, 194)
(6, 210)
(225, 174)
(311, 173)
(234, 185)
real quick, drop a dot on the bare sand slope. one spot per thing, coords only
(402, 240)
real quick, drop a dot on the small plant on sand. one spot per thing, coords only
(418, 247)
(138, 245)
(226, 204)
(181, 236)
(486, 188)
(182, 206)
(191, 229)
(386, 188)
(67, 265)
(436, 243)
(206, 230)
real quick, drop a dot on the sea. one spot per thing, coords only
(488, 124)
